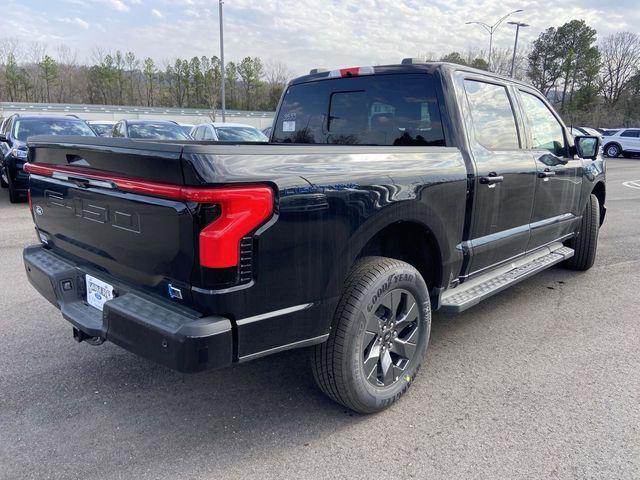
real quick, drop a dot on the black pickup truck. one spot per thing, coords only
(385, 193)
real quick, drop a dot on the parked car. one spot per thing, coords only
(228, 132)
(585, 131)
(149, 129)
(625, 142)
(186, 127)
(386, 192)
(13, 149)
(102, 128)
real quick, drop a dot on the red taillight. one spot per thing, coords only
(242, 210)
(351, 72)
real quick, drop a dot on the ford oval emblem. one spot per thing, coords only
(39, 210)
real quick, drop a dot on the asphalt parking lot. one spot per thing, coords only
(541, 381)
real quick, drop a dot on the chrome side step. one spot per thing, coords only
(474, 291)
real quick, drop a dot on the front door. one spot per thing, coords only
(559, 175)
(505, 175)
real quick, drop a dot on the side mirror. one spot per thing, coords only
(587, 147)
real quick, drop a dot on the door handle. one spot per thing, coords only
(492, 179)
(546, 174)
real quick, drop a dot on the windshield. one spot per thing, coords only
(30, 127)
(159, 131)
(102, 129)
(609, 133)
(240, 134)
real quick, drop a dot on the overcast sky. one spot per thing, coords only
(301, 33)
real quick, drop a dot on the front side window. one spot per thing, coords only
(396, 109)
(207, 133)
(492, 114)
(546, 131)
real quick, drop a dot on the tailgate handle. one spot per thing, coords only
(83, 182)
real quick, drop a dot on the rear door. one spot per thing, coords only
(505, 173)
(559, 175)
(630, 140)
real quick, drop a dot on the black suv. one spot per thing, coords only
(13, 145)
(149, 129)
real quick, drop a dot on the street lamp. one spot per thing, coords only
(515, 45)
(220, 3)
(491, 29)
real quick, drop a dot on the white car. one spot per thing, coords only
(228, 132)
(625, 141)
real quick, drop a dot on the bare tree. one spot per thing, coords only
(620, 63)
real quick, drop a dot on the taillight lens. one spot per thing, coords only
(242, 210)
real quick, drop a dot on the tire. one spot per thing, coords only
(586, 242)
(14, 195)
(612, 150)
(3, 184)
(383, 319)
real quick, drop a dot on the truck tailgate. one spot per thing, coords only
(146, 240)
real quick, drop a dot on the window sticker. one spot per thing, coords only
(289, 126)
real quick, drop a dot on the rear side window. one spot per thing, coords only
(631, 133)
(399, 110)
(493, 120)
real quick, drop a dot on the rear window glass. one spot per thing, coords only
(158, 131)
(30, 127)
(370, 110)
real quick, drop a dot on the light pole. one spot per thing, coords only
(224, 110)
(515, 45)
(491, 29)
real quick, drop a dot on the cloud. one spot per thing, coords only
(75, 21)
(308, 33)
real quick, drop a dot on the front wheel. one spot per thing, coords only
(378, 338)
(14, 195)
(585, 243)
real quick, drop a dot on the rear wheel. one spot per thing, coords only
(586, 242)
(3, 178)
(378, 337)
(612, 150)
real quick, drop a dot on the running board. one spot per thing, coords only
(474, 291)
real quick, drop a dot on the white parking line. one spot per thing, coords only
(632, 184)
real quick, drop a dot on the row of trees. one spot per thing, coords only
(592, 82)
(120, 78)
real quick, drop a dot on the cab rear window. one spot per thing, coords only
(399, 110)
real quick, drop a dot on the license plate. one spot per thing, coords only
(98, 292)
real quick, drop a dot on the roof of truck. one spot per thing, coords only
(422, 67)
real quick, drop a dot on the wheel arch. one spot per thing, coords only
(412, 242)
(599, 190)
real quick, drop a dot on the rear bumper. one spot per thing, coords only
(152, 328)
